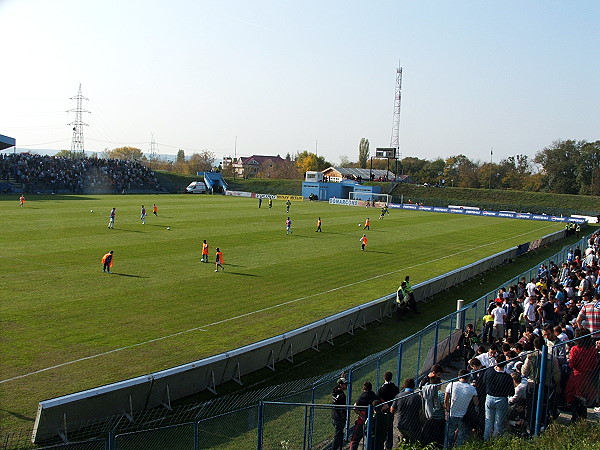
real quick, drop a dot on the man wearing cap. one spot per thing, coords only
(338, 397)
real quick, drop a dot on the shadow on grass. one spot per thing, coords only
(18, 416)
(127, 275)
(379, 251)
(243, 274)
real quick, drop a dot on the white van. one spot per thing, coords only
(196, 187)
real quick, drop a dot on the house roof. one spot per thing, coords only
(258, 159)
(364, 173)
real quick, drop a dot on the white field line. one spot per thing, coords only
(229, 319)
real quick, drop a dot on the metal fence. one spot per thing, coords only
(231, 422)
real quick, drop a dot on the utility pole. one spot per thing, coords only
(78, 124)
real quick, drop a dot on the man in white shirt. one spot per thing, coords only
(488, 359)
(456, 402)
(499, 314)
(531, 287)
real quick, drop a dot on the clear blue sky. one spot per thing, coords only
(281, 75)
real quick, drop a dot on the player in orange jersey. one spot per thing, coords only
(204, 258)
(363, 240)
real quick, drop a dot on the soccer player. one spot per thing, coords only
(204, 258)
(143, 215)
(363, 240)
(21, 200)
(288, 226)
(155, 210)
(287, 206)
(111, 219)
(367, 224)
(259, 201)
(107, 261)
(270, 203)
(219, 261)
(318, 225)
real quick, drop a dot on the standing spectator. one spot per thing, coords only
(488, 359)
(589, 316)
(386, 393)
(434, 424)
(338, 415)
(456, 402)
(107, 262)
(407, 408)
(583, 361)
(499, 314)
(499, 386)
(366, 398)
(468, 339)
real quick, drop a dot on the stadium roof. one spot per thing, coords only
(6, 142)
(364, 173)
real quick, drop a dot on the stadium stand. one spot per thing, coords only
(24, 172)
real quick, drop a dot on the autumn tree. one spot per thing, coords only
(307, 161)
(126, 153)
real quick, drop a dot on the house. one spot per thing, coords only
(250, 166)
(339, 174)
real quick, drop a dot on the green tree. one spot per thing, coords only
(345, 162)
(559, 162)
(462, 170)
(180, 156)
(363, 153)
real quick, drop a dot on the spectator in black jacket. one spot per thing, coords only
(498, 386)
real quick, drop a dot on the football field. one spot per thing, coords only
(67, 326)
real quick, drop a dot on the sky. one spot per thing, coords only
(268, 77)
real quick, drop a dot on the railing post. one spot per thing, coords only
(196, 437)
(369, 423)
(435, 342)
(261, 418)
(399, 365)
(111, 440)
(419, 356)
(541, 385)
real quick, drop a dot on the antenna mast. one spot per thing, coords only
(78, 124)
(395, 142)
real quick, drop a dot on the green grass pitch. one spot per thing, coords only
(67, 326)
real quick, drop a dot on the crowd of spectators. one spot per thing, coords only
(539, 340)
(75, 175)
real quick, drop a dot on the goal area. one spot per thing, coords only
(370, 196)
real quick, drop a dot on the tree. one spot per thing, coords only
(69, 154)
(201, 162)
(363, 153)
(126, 153)
(345, 162)
(180, 156)
(462, 170)
(559, 162)
(307, 161)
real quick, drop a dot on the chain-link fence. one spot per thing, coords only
(232, 421)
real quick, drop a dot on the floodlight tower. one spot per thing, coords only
(395, 142)
(78, 124)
